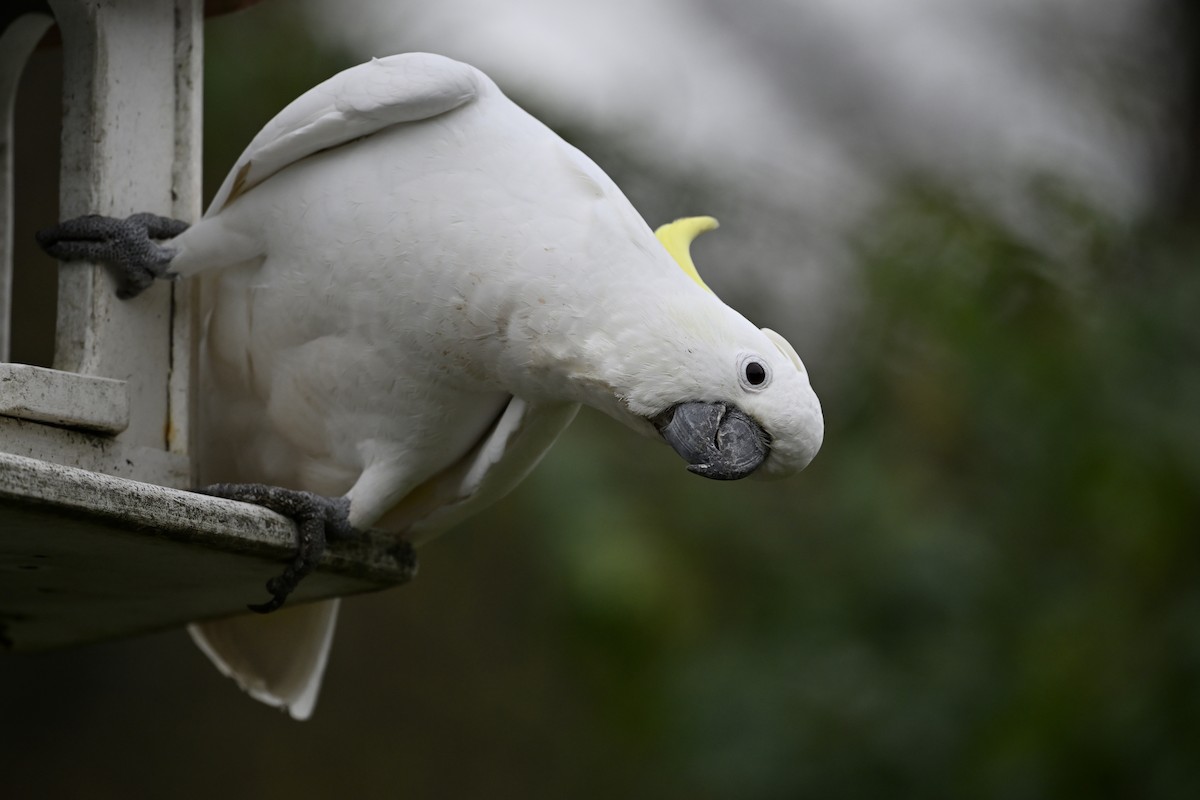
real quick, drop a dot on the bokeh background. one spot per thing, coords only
(976, 221)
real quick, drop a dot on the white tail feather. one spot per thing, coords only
(278, 658)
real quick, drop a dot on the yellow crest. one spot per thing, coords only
(677, 237)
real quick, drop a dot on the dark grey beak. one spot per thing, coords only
(718, 441)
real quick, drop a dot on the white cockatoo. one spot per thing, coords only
(410, 286)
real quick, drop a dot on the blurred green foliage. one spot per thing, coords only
(987, 583)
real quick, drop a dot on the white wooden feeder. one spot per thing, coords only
(97, 537)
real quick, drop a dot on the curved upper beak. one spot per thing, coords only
(717, 440)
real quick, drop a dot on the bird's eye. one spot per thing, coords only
(754, 373)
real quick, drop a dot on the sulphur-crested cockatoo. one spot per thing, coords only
(410, 286)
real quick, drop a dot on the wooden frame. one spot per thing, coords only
(118, 398)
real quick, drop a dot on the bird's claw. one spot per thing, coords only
(318, 519)
(127, 246)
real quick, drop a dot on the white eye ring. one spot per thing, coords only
(754, 373)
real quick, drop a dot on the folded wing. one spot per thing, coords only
(354, 103)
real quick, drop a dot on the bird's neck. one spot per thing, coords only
(595, 346)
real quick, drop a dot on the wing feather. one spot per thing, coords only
(354, 103)
(503, 457)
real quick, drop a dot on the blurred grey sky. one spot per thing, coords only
(801, 111)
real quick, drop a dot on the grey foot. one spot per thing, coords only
(127, 246)
(318, 519)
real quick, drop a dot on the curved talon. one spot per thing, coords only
(274, 604)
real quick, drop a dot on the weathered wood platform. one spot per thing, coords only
(86, 556)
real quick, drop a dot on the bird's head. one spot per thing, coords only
(730, 398)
